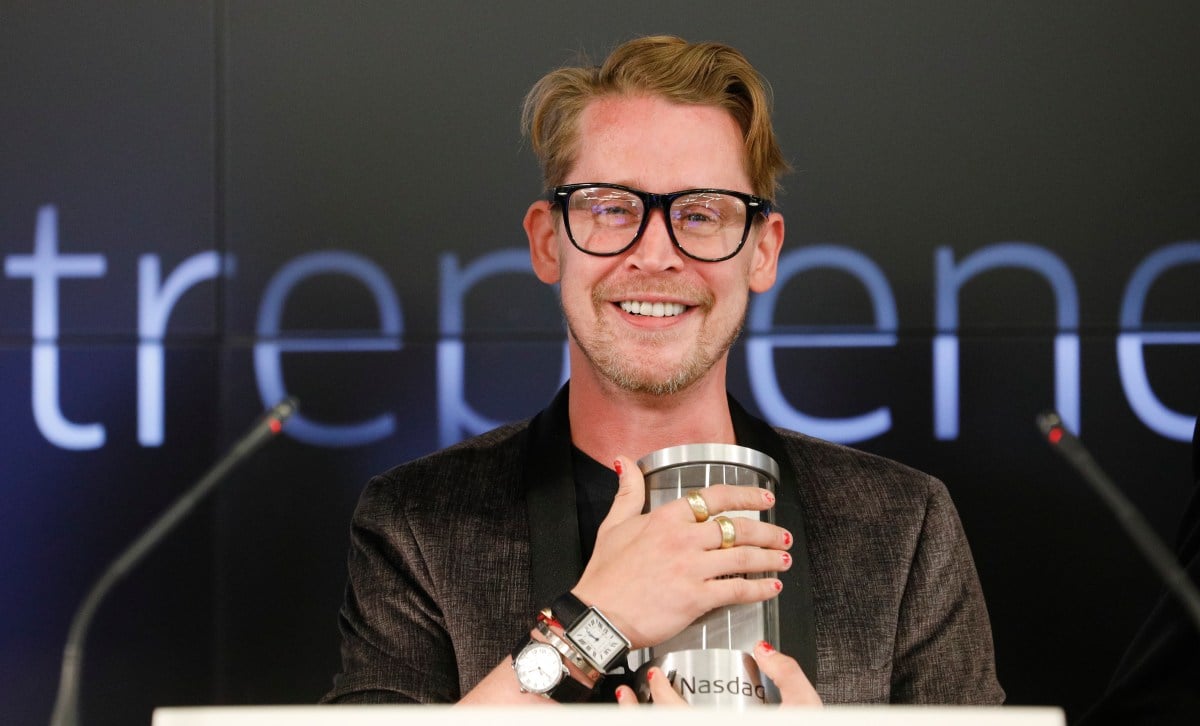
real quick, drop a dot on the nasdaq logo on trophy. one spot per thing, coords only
(710, 662)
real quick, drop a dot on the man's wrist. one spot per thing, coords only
(550, 631)
(555, 634)
(590, 632)
(542, 670)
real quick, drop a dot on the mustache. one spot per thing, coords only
(636, 287)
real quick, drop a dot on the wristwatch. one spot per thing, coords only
(540, 669)
(590, 632)
(544, 621)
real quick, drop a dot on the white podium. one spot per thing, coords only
(604, 715)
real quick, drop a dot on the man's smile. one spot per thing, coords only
(652, 309)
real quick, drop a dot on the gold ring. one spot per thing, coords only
(728, 533)
(698, 505)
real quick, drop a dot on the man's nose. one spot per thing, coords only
(655, 250)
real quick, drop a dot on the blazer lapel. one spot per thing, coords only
(555, 555)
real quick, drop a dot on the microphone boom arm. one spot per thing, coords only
(66, 705)
(1134, 524)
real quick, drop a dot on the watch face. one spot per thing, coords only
(598, 640)
(539, 667)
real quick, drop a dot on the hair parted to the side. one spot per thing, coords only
(709, 74)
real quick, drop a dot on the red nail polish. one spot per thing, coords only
(778, 586)
(787, 539)
(617, 467)
(650, 675)
(769, 497)
(787, 559)
(766, 646)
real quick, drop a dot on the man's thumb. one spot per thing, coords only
(631, 491)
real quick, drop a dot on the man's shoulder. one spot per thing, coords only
(840, 471)
(479, 468)
(487, 448)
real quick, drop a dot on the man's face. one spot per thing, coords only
(693, 310)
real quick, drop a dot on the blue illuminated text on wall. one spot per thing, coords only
(457, 418)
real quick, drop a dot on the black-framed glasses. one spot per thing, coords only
(710, 225)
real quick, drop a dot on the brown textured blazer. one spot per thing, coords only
(451, 555)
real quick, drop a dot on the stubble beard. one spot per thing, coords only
(601, 350)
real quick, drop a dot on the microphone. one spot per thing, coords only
(1161, 558)
(66, 705)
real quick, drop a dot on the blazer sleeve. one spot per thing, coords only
(395, 647)
(943, 647)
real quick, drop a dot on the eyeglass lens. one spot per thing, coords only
(707, 225)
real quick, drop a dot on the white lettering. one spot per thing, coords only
(1131, 361)
(44, 267)
(457, 418)
(154, 309)
(272, 344)
(764, 379)
(950, 279)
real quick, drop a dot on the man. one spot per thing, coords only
(452, 555)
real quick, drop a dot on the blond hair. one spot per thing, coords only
(709, 74)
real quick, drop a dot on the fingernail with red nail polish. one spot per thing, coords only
(787, 559)
(617, 467)
(778, 586)
(650, 675)
(787, 539)
(766, 646)
(769, 497)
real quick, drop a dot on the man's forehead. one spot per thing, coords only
(660, 145)
(617, 109)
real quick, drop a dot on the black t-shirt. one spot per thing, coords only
(595, 487)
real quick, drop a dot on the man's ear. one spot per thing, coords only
(764, 261)
(543, 242)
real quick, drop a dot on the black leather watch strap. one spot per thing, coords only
(568, 609)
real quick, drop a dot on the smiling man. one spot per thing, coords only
(475, 572)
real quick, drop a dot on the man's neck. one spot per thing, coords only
(607, 421)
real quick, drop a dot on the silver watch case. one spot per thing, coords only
(598, 640)
(539, 668)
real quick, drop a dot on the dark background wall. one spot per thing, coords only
(227, 142)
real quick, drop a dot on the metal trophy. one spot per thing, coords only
(711, 661)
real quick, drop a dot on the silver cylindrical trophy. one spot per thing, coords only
(711, 661)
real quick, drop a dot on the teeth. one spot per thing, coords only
(656, 310)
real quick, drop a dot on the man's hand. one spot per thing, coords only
(653, 574)
(794, 687)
